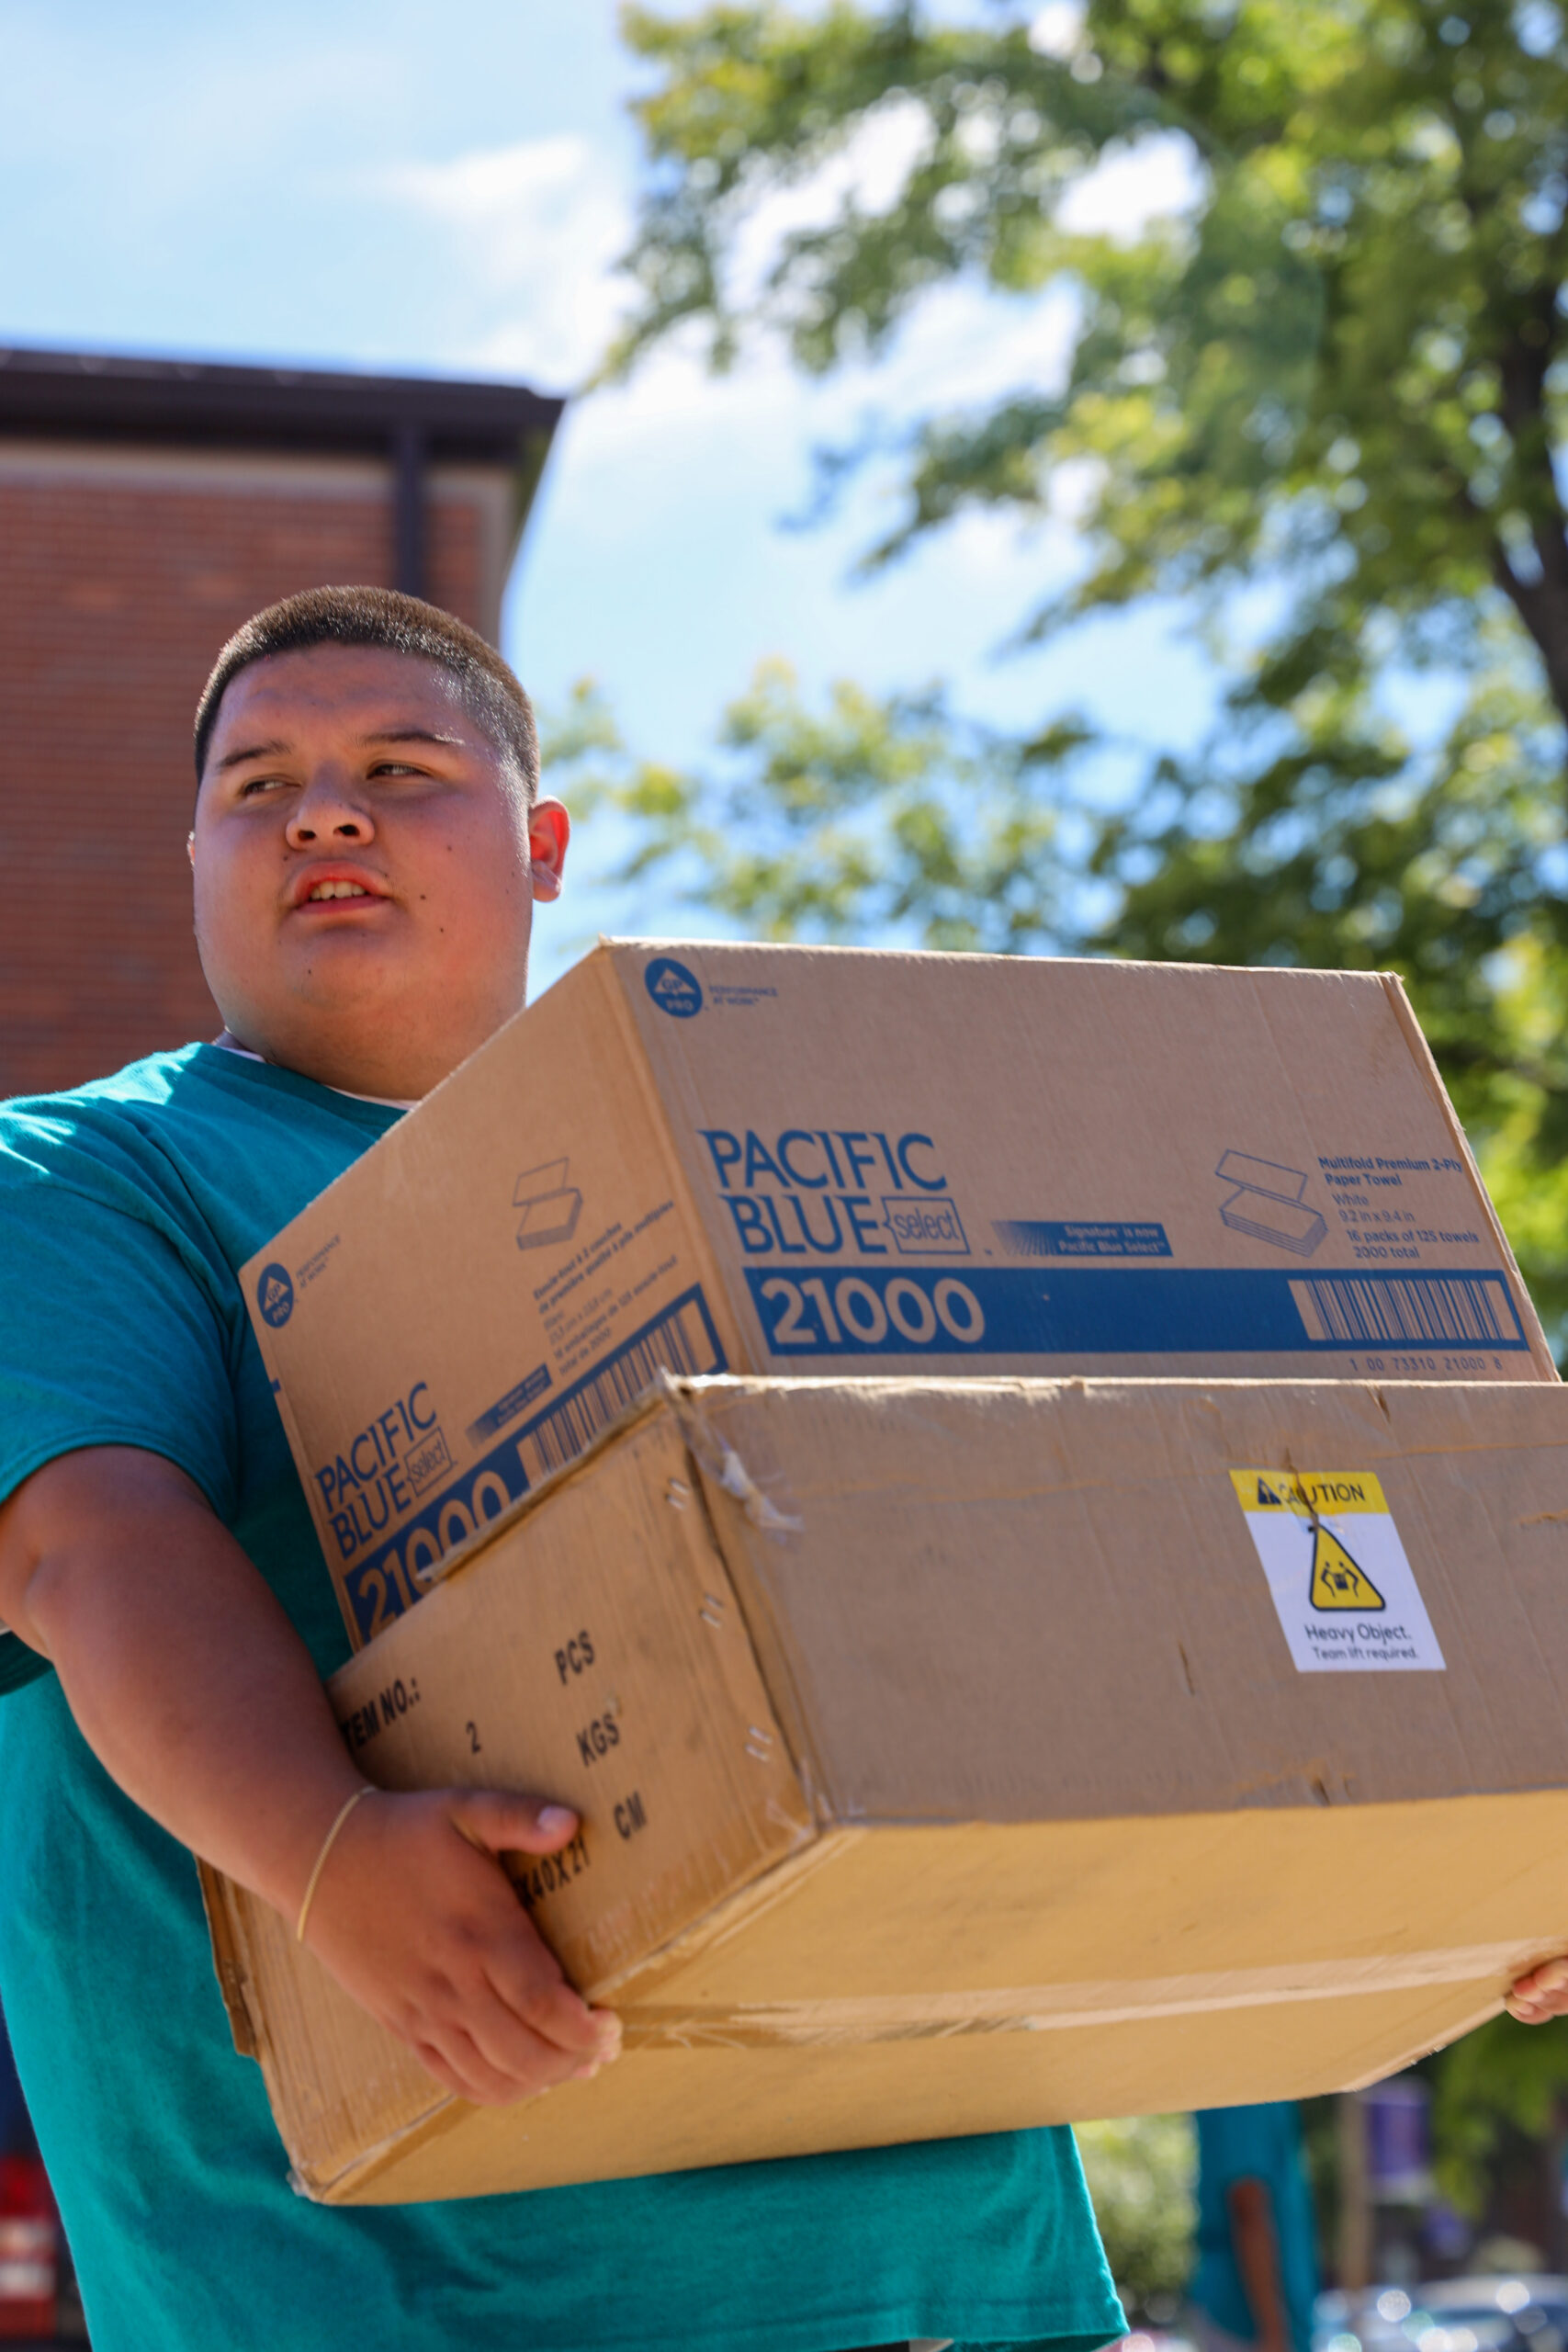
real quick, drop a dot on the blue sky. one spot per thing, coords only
(387, 186)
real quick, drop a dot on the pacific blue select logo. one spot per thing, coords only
(382, 1469)
(809, 1189)
(673, 986)
(274, 1296)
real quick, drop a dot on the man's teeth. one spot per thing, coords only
(338, 891)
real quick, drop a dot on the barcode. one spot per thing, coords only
(682, 1340)
(1404, 1310)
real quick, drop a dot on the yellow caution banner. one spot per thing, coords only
(1329, 1494)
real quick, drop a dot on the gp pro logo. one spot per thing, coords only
(673, 986)
(274, 1296)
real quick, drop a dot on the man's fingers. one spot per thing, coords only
(498, 2063)
(552, 2011)
(1541, 1995)
(499, 1823)
(460, 2069)
(548, 2039)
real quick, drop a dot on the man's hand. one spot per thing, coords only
(450, 1961)
(1542, 1994)
(192, 1688)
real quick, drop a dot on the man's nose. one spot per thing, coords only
(329, 810)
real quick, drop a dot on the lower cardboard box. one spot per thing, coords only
(955, 1756)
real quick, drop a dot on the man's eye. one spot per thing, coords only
(257, 784)
(396, 767)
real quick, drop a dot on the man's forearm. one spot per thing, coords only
(186, 1676)
(1258, 2258)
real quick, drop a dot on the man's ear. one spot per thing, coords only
(549, 829)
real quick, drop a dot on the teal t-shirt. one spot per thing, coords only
(1254, 2143)
(125, 1210)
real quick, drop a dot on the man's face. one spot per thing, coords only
(364, 869)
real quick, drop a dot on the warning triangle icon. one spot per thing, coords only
(1267, 1498)
(1337, 1581)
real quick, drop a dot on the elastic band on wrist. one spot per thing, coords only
(328, 1842)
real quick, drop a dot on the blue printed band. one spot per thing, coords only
(1063, 1310)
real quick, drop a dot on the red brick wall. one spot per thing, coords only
(119, 579)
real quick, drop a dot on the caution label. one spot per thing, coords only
(1345, 1592)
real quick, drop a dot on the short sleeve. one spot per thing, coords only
(18, 1664)
(112, 1331)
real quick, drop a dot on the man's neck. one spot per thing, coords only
(233, 1045)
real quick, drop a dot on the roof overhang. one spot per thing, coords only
(87, 395)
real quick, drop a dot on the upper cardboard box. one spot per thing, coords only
(763, 1160)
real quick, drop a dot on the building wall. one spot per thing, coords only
(121, 573)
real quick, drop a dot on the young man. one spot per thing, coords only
(367, 848)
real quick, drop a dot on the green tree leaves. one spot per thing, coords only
(1142, 2174)
(1332, 389)
(1347, 349)
(873, 819)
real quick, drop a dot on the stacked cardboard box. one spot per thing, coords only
(953, 1750)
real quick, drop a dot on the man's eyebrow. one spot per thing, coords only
(409, 734)
(252, 751)
(412, 735)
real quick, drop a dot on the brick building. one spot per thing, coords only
(146, 509)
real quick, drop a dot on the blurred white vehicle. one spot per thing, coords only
(1527, 2313)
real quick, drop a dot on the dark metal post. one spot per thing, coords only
(407, 509)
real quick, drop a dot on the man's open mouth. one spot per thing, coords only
(333, 884)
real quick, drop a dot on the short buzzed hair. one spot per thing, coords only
(397, 624)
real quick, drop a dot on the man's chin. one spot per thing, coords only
(341, 971)
(331, 1000)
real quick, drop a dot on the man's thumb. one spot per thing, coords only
(498, 1824)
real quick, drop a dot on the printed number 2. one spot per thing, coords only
(473, 1738)
(787, 1330)
(375, 1586)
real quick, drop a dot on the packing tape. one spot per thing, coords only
(1044, 2008)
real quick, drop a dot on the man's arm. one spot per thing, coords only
(1258, 2259)
(194, 1690)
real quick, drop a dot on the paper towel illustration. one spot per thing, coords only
(1266, 1202)
(550, 1206)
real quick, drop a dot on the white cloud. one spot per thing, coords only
(531, 233)
(676, 433)
(1056, 29)
(536, 230)
(1132, 185)
(528, 236)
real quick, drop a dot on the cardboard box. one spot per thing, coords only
(814, 1159)
(956, 1755)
